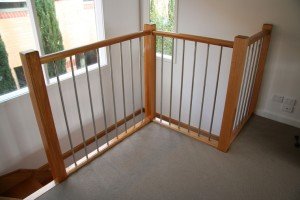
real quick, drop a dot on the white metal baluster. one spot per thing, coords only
(65, 113)
(216, 94)
(181, 86)
(192, 88)
(123, 90)
(102, 96)
(91, 104)
(78, 109)
(203, 89)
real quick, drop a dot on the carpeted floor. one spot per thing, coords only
(157, 163)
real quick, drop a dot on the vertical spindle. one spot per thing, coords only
(91, 104)
(203, 89)
(171, 85)
(102, 96)
(78, 109)
(123, 89)
(65, 113)
(181, 83)
(161, 77)
(132, 83)
(192, 87)
(215, 95)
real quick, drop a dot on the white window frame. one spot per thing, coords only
(99, 20)
(146, 19)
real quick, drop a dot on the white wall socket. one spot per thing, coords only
(289, 101)
(287, 108)
(278, 98)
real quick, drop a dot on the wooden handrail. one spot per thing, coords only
(195, 38)
(257, 37)
(70, 52)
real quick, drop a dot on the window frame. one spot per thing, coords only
(13, 9)
(146, 19)
(100, 32)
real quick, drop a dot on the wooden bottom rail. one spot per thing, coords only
(212, 142)
(238, 129)
(99, 136)
(104, 148)
(186, 126)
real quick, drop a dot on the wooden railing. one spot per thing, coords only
(246, 70)
(32, 65)
(241, 93)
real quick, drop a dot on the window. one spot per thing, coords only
(16, 35)
(12, 5)
(20, 76)
(47, 26)
(86, 59)
(162, 13)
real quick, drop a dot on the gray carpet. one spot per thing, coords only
(156, 163)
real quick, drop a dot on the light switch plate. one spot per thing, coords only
(289, 101)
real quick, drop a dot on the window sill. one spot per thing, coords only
(167, 58)
(20, 92)
(77, 72)
(14, 94)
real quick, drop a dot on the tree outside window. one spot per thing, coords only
(50, 33)
(7, 83)
(61, 24)
(162, 13)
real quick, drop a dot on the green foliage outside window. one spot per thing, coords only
(7, 83)
(50, 33)
(164, 18)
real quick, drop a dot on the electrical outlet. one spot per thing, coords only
(278, 98)
(289, 101)
(287, 108)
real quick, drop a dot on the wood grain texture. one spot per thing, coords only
(195, 38)
(186, 126)
(233, 89)
(257, 37)
(267, 29)
(41, 106)
(150, 71)
(112, 143)
(212, 142)
(104, 43)
(90, 140)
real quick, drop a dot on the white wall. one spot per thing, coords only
(20, 142)
(226, 19)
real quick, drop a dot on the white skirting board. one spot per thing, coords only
(279, 118)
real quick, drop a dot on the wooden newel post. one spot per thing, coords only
(233, 89)
(150, 71)
(267, 28)
(41, 105)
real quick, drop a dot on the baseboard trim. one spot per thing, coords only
(278, 118)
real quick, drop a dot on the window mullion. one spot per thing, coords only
(99, 15)
(37, 34)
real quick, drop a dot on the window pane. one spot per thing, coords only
(20, 76)
(16, 36)
(162, 13)
(66, 24)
